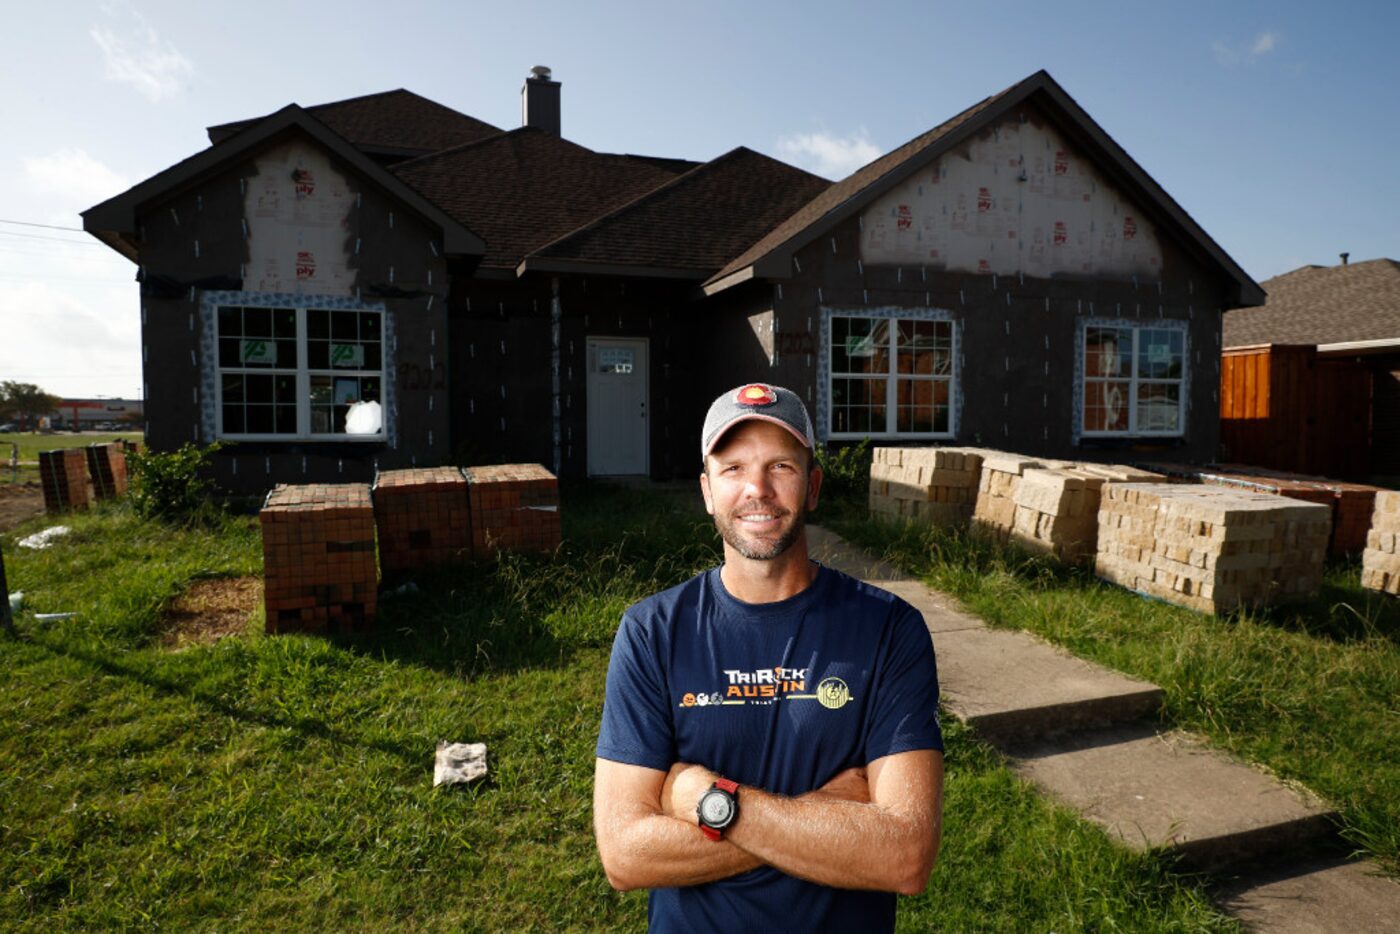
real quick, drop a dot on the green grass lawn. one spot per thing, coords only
(1309, 691)
(31, 443)
(285, 782)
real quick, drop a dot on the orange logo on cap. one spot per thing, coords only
(756, 394)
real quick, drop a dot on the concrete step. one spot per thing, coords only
(835, 552)
(1011, 686)
(1316, 898)
(1173, 791)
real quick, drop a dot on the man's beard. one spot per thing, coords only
(761, 549)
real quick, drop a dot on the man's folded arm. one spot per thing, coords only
(888, 844)
(641, 847)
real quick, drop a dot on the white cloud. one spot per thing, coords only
(828, 155)
(1246, 52)
(73, 338)
(76, 180)
(137, 56)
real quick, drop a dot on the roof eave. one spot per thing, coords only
(117, 216)
(734, 278)
(540, 264)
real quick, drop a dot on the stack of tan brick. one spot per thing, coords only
(994, 515)
(934, 485)
(1210, 548)
(319, 572)
(1380, 562)
(106, 465)
(514, 507)
(422, 518)
(1057, 508)
(64, 477)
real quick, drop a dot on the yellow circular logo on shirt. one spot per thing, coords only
(832, 693)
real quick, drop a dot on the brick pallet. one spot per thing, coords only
(514, 507)
(1351, 503)
(1210, 548)
(64, 477)
(1057, 508)
(422, 518)
(936, 485)
(994, 514)
(318, 558)
(106, 467)
(1380, 561)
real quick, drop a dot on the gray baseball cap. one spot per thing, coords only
(761, 401)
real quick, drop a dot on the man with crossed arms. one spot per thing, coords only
(770, 755)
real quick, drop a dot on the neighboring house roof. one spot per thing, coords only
(772, 255)
(114, 220)
(1323, 305)
(526, 188)
(395, 122)
(688, 227)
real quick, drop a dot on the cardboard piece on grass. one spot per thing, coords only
(459, 763)
(42, 540)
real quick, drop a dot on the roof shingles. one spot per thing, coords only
(396, 120)
(1322, 305)
(699, 220)
(526, 188)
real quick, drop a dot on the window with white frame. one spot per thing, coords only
(891, 376)
(1134, 381)
(298, 373)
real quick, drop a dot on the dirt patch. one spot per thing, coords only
(19, 502)
(209, 610)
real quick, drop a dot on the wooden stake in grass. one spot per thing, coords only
(6, 620)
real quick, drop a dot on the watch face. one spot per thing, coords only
(715, 808)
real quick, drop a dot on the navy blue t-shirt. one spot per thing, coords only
(780, 696)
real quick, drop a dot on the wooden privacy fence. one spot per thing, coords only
(1284, 407)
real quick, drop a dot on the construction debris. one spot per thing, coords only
(459, 763)
(1210, 548)
(1380, 562)
(45, 538)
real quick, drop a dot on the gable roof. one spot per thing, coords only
(526, 188)
(772, 255)
(688, 227)
(1323, 305)
(396, 122)
(114, 220)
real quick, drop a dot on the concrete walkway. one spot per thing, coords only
(1086, 736)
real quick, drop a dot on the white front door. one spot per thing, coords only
(618, 435)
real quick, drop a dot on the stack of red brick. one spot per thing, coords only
(1351, 503)
(318, 558)
(514, 507)
(422, 517)
(64, 477)
(106, 464)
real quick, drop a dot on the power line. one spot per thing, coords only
(8, 233)
(5, 220)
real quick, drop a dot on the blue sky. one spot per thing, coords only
(1274, 124)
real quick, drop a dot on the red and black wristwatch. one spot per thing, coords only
(718, 808)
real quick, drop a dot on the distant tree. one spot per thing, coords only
(25, 400)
